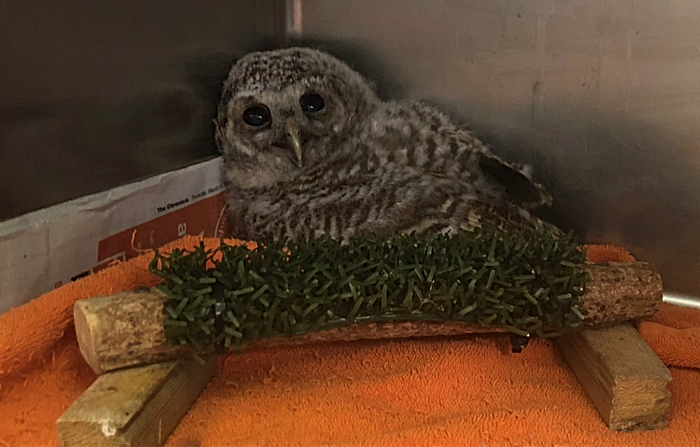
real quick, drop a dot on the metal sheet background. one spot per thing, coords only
(602, 96)
(94, 94)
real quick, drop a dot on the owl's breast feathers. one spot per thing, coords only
(382, 202)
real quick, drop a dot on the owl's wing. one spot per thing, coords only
(435, 203)
(518, 185)
(464, 213)
(428, 135)
(482, 212)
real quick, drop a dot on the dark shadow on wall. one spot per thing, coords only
(97, 94)
(53, 152)
(361, 58)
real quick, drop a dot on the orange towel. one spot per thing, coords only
(459, 391)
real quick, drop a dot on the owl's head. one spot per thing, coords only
(284, 111)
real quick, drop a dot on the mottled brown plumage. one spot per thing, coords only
(350, 164)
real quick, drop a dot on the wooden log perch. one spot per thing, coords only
(622, 376)
(126, 329)
(134, 407)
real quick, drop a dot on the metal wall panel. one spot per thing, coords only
(94, 94)
(602, 96)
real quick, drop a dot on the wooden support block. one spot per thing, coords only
(134, 407)
(621, 374)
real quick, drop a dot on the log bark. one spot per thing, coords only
(126, 329)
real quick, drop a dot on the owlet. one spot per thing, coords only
(309, 150)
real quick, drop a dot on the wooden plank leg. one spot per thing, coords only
(134, 407)
(621, 374)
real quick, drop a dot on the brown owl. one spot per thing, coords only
(309, 149)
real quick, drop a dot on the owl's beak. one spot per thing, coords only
(294, 138)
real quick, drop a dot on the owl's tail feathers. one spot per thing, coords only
(520, 188)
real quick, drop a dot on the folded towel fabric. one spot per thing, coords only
(457, 391)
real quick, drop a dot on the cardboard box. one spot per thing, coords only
(45, 249)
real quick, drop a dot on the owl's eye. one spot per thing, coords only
(257, 116)
(312, 103)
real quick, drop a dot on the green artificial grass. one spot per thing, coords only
(529, 284)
